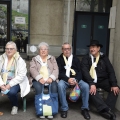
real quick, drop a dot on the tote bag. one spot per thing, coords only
(46, 104)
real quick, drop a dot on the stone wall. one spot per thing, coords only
(51, 21)
(116, 52)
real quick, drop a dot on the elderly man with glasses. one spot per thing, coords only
(69, 74)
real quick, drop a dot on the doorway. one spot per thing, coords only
(90, 26)
(5, 13)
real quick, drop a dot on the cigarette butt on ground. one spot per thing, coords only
(1, 113)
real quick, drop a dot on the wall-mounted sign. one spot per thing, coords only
(100, 27)
(19, 20)
(33, 48)
(83, 26)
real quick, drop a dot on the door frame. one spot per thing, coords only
(8, 3)
(92, 24)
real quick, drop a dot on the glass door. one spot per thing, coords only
(4, 24)
(83, 33)
(91, 26)
(20, 24)
(101, 32)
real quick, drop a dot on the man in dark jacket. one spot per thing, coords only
(98, 73)
(69, 74)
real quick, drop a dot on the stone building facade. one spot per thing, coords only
(52, 21)
(20, 6)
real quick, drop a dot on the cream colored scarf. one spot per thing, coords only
(44, 70)
(92, 69)
(8, 66)
(68, 65)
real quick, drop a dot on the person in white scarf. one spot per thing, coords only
(69, 75)
(13, 77)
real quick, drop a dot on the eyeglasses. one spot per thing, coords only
(43, 49)
(9, 49)
(65, 49)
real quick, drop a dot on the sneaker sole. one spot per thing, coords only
(14, 113)
(42, 117)
(50, 117)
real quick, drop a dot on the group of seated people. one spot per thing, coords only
(94, 71)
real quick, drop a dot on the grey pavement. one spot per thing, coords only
(74, 112)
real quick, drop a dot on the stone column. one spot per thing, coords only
(46, 21)
(51, 21)
(116, 53)
(112, 38)
(68, 20)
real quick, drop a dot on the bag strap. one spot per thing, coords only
(48, 89)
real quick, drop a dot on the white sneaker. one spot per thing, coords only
(14, 110)
(50, 116)
(42, 117)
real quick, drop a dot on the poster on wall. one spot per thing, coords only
(19, 20)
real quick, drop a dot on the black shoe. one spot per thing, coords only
(63, 114)
(105, 115)
(86, 114)
(113, 116)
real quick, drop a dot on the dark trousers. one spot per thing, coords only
(38, 87)
(98, 101)
(13, 95)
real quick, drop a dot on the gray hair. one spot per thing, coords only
(66, 43)
(43, 44)
(11, 43)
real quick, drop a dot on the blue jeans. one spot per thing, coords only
(12, 95)
(38, 87)
(62, 86)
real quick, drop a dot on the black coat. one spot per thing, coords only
(75, 66)
(104, 70)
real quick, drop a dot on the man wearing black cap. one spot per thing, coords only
(99, 73)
